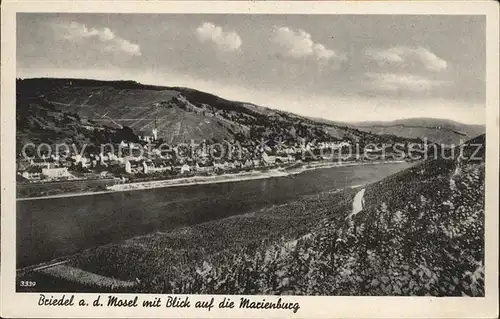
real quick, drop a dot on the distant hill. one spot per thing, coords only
(180, 114)
(440, 131)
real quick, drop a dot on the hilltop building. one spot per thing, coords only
(146, 137)
(155, 133)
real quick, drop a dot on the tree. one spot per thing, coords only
(125, 134)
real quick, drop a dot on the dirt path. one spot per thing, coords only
(358, 202)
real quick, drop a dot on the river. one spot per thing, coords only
(55, 227)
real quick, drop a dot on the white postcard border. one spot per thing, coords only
(25, 304)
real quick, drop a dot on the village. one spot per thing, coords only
(129, 161)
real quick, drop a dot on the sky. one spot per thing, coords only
(339, 67)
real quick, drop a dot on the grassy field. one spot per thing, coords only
(55, 188)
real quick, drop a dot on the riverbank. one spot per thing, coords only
(323, 165)
(66, 188)
(199, 180)
(237, 177)
(213, 179)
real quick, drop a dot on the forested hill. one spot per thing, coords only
(180, 114)
(422, 231)
(440, 131)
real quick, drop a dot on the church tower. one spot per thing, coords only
(155, 132)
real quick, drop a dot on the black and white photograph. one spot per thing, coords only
(265, 155)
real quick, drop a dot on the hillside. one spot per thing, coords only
(436, 130)
(137, 108)
(38, 122)
(418, 232)
(180, 114)
(422, 231)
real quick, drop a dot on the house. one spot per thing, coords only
(344, 144)
(333, 145)
(112, 156)
(132, 166)
(281, 159)
(56, 172)
(134, 146)
(42, 162)
(103, 160)
(248, 163)
(256, 162)
(154, 166)
(147, 136)
(221, 165)
(204, 167)
(132, 151)
(55, 157)
(268, 159)
(155, 151)
(307, 146)
(185, 168)
(66, 162)
(85, 162)
(371, 148)
(148, 167)
(22, 164)
(88, 127)
(32, 173)
(200, 149)
(144, 136)
(104, 174)
(234, 164)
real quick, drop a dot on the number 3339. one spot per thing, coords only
(27, 283)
